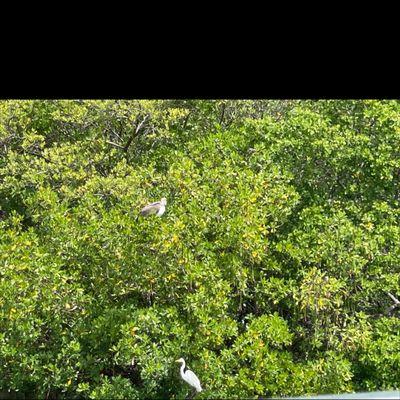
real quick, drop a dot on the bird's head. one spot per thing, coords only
(164, 201)
(181, 360)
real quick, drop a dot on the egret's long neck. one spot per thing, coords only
(183, 368)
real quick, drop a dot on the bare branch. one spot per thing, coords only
(393, 298)
(135, 133)
(186, 120)
(116, 134)
(115, 144)
(140, 125)
(223, 113)
(392, 307)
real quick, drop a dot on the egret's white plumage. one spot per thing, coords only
(189, 376)
(157, 208)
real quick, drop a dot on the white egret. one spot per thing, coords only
(189, 376)
(157, 208)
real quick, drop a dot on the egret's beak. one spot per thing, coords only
(177, 361)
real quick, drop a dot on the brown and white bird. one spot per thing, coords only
(157, 208)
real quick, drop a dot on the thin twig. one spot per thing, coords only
(32, 153)
(116, 134)
(115, 144)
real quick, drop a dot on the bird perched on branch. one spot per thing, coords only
(189, 376)
(157, 208)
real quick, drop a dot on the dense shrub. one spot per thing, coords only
(271, 271)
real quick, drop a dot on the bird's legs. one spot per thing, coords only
(191, 395)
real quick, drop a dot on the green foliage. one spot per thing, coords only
(270, 272)
(115, 388)
(379, 360)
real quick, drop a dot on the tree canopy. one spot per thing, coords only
(275, 270)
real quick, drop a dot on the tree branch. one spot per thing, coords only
(396, 303)
(222, 114)
(135, 133)
(33, 153)
(186, 120)
(115, 144)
